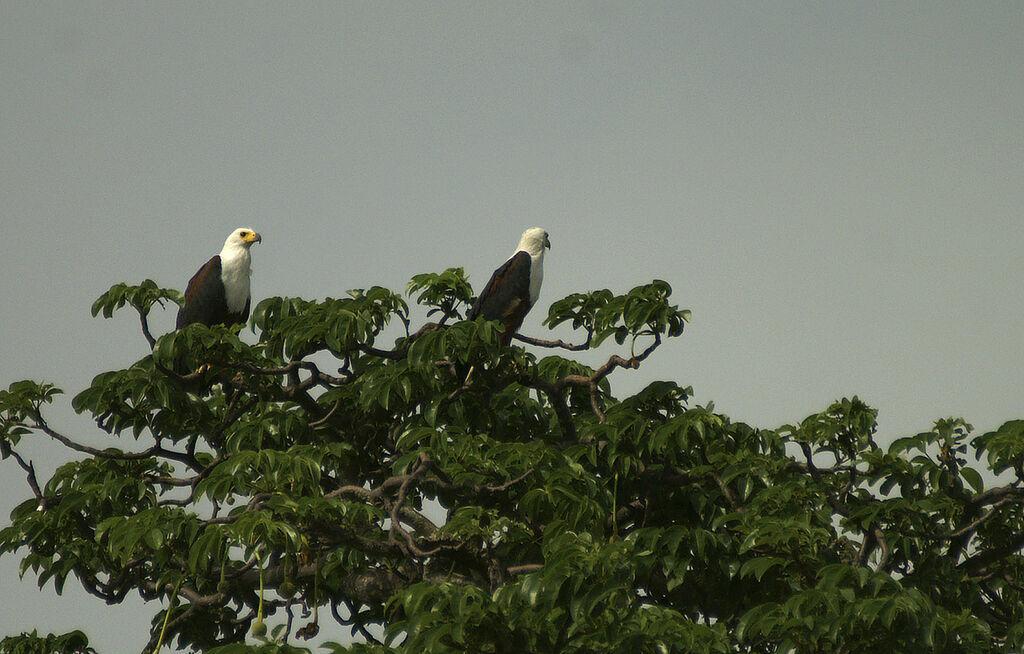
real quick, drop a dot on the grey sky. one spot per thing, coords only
(835, 191)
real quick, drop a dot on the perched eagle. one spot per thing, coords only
(219, 292)
(514, 287)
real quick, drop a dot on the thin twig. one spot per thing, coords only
(594, 405)
(572, 347)
(966, 529)
(31, 473)
(327, 416)
(85, 449)
(396, 526)
(145, 330)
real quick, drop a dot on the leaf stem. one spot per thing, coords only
(167, 615)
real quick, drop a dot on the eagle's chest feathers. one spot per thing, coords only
(536, 276)
(235, 269)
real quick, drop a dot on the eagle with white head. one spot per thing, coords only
(515, 286)
(219, 292)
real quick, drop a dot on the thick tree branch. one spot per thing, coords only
(556, 396)
(979, 563)
(997, 494)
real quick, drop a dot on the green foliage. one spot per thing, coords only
(443, 292)
(1004, 447)
(141, 298)
(74, 642)
(22, 403)
(644, 311)
(268, 648)
(457, 495)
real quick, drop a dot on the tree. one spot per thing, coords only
(448, 494)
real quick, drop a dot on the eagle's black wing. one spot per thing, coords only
(205, 300)
(506, 297)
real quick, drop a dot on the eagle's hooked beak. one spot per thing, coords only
(547, 242)
(252, 237)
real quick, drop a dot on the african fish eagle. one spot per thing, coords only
(219, 292)
(515, 285)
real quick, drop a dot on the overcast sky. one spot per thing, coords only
(835, 191)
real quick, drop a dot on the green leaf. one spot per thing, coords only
(973, 477)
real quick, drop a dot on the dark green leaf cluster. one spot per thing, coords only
(584, 599)
(456, 495)
(644, 311)
(443, 292)
(140, 297)
(74, 642)
(294, 328)
(21, 404)
(1003, 447)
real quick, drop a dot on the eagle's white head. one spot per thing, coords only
(241, 239)
(237, 244)
(534, 242)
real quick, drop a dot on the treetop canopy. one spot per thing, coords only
(445, 493)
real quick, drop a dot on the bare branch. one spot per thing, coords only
(476, 489)
(31, 474)
(85, 449)
(293, 366)
(170, 481)
(800, 466)
(327, 416)
(997, 494)
(585, 345)
(978, 563)
(145, 330)
(966, 529)
(396, 526)
(556, 395)
(883, 543)
(615, 361)
(594, 405)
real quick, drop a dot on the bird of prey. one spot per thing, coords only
(514, 287)
(219, 292)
